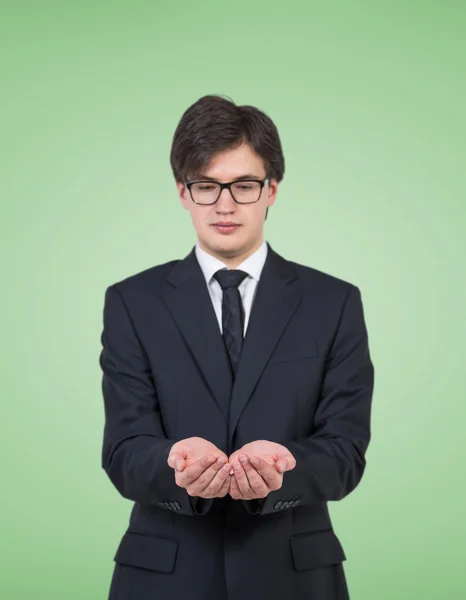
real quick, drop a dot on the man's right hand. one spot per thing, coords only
(200, 468)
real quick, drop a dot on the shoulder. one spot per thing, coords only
(324, 284)
(312, 275)
(310, 278)
(152, 278)
(318, 279)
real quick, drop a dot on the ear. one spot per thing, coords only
(272, 189)
(183, 194)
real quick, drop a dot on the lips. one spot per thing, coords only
(226, 227)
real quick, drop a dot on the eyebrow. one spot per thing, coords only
(201, 177)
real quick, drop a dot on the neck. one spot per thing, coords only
(233, 259)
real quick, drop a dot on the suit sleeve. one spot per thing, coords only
(331, 461)
(135, 448)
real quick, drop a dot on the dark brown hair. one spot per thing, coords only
(214, 124)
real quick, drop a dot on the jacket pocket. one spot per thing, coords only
(297, 351)
(316, 549)
(147, 551)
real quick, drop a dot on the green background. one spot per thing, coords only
(369, 100)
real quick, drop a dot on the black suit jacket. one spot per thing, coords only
(305, 380)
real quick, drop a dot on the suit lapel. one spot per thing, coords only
(277, 297)
(190, 304)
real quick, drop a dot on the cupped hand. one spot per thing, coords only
(258, 469)
(200, 468)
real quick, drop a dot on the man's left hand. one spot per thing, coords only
(257, 469)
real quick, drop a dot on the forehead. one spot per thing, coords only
(235, 162)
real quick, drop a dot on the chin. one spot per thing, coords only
(224, 247)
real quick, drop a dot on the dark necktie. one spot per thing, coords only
(232, 312)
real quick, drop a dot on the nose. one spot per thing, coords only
(225, 203)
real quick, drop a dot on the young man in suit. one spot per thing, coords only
(237, 388)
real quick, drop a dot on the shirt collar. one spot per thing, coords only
(252, 265)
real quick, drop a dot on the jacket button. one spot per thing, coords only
(295, 503)
(166, 505)
(177, 506)
(278, 505)
(173, 506)
(288, 504)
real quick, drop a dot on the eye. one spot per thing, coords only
(205, 187)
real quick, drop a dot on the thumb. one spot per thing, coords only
(286, 463)
(176, 459)
(281, 465)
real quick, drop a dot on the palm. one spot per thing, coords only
(196, 448)
(269, 451)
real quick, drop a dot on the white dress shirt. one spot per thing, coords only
(253, 266)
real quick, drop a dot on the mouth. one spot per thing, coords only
(226, 227)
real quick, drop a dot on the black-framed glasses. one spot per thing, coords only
(243, 191)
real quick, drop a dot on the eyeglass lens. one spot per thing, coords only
(242, 191)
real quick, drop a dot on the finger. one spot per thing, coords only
(273, 478)
(177, 459)
(192, 472)
(223, 491)
(257, 484)
(212, 476)
(177, 463)
(241, 479)
(216, 484)
(280, 464)
(235, 492)
(286, 462)
(263, 466)
(196, 486)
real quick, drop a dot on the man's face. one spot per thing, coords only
(237, 244)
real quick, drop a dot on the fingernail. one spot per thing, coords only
(282, 465)
(221, 461)
(243, 459)
(178, 465)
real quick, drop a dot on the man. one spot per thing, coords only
(237, 388)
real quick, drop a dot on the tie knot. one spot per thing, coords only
(229, 278)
